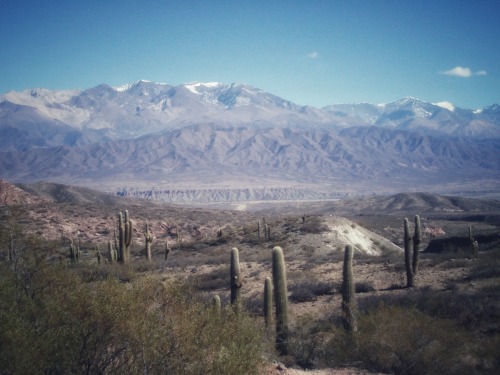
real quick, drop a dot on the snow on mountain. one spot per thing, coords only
(220, 132)
(143, 107)
(446, 105)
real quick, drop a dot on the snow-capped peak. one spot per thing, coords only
(446, 105)
(136, 83)
(123, 87)
(193, 87)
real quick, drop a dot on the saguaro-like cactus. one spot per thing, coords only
(235, 278)
(348, 296)
(408, 258)
(125, 229)
(268, 302)
(216, 303)
(417, 239)
(112, 253)
(148, 237)
(72, 251)
(474, 245)
(10, 255)
(98, 254)
(167, 250)
(281, 300)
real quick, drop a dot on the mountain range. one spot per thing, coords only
(147, 137)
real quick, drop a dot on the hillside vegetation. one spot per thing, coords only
(61, 313)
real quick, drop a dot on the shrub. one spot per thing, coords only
(393, 339)
(364, 287)
(54, 322)
(309, 289)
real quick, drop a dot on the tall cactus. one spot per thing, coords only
(125, 230)
(72, 251)
(167, 250)
(148, 237)
(281, 300)
(474, 245)
(268, 302)
(10, 255)
(410, 283)
(98, 254)
(348, 295)
(235, 278)
(112, 253)
(216, 304)
(417, 239)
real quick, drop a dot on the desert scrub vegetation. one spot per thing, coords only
(54, 320)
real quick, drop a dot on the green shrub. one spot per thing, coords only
(398, 340)
(55, 322)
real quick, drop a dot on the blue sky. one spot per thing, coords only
(310, 52)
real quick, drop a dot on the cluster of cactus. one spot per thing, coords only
(474, 245)
(281, 300)
(411, 262)
(148, 237)
(74, 252)
(235, 279)
(264, 230)
(348, 293)
(124, 240)
(112, 253)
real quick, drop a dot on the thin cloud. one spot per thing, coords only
(313, 55)
(463, 72)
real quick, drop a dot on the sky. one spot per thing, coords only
(311, 52)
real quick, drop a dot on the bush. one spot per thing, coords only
(364, 287)
(393, 339)
(308, 290)
(53, 321)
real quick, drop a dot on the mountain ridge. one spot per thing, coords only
(218, 134)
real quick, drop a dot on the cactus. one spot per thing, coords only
(148, 237)
(258, 229)
(72, 251)
(281, 300)
(178, 235)
(216, 304)
(167, 251)
(475, 248)
(348, 295)
(235, 278)
(268, 302)
(10, 255)
(98, 254)
(268, 232)
(417, 239)
(408, 259)
(125, 230)
(474, 245)
(112, 253)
